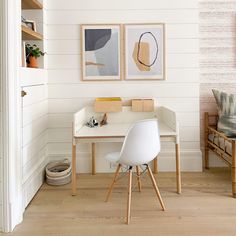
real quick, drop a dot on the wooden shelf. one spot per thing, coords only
(31, 4)
(28, 34)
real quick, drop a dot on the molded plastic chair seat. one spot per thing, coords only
(141, 145)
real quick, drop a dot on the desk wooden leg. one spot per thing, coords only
(155, 166)
(73, 169)
(178, 174)
(93, 159)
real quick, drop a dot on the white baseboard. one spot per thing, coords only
(33, 183)
(15, 210)
(190, 161)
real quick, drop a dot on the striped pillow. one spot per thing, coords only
(226, 104)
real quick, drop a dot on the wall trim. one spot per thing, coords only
(11, 118)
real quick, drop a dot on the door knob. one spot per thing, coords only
(23, 93)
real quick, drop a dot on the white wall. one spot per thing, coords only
(217, 54)
(67, 93)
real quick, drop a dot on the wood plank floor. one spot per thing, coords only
(204, 208)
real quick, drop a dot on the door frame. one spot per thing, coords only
(10, 57)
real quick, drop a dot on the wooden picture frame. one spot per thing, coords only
(101, 52)
(144, 51)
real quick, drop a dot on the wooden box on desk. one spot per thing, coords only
(142, 105)
(113, 104)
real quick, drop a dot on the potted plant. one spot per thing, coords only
(32, 53)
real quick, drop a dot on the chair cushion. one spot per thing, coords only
(113, 157)
(226, 104)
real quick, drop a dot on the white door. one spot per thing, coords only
(34, 139)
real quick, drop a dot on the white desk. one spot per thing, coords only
(116, 130)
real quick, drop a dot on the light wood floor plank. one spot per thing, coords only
(205, 207)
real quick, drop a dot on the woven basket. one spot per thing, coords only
(58, 172)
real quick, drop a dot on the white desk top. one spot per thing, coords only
(120, 122)
(116, 130)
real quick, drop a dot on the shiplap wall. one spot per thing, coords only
(67, 93)
(217, 53)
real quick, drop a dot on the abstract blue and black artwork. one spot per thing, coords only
(100, 52)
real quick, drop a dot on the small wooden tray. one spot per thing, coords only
(142, 105)
(113, 104)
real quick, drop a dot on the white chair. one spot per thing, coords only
(141, 145)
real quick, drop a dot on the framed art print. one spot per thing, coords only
(145, 51)
(100, 52)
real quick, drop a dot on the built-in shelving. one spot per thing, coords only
(31, 4)
(32, 12)
(29, 34)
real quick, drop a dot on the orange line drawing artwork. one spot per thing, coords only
(144, 55)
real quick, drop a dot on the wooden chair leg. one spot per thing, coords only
(129, 196)
(156, 188)
(233, 169)
(206, 158)
(206, 151)
(138, 178)
(233, 173)
(113, 182)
